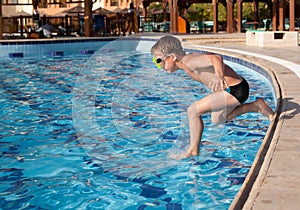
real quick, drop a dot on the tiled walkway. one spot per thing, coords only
(277, 185)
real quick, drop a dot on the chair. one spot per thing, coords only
(148, 27)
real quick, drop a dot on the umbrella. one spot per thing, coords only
(103, 11)
(160, 11)
(77, 9)
(52, 12)
(74, 11)
(122, 11)
(4, 14)
(191, 10)
(151, 11)
(22, 13)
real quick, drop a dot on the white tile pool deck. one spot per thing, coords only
(277, 166)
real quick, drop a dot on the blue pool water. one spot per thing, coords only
(95, 132)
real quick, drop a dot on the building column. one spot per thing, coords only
(1, 22)
(229, 14)
(173, 16)
(164, 7)
(281, 15)
(292, 15)
(88, 18)
(216, 15)
(255, 8)
(67, 26)
(21, 25)
(239, 15)
(274, 15)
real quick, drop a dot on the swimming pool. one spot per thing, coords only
(80, 131)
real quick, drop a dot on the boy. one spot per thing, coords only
(229, 90)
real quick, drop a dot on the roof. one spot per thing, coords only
(59, 12)
(9, 14)
(103, 11)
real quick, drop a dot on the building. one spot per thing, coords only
(14, 14)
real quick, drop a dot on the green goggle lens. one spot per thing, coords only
(157, 62)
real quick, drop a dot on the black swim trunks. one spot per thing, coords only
(240, 91)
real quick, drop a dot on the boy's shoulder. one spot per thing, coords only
(195, 55)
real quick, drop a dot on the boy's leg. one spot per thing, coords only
(222, 104)
(259, 106)
(196, 127)
(217, 101)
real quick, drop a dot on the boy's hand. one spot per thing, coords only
(216, 84)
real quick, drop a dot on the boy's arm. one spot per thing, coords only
(219, 81)
(217, 62)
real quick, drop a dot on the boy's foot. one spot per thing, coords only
(265, 109)
(183, 155)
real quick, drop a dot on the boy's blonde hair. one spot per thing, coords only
(168, 45)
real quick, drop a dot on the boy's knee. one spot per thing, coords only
(193, 110)
(218, 119)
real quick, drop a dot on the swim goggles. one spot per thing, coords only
(157, 62)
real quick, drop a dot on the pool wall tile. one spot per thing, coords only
(86, 52)
(40, 48)
(56, 53)
(16, 55)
